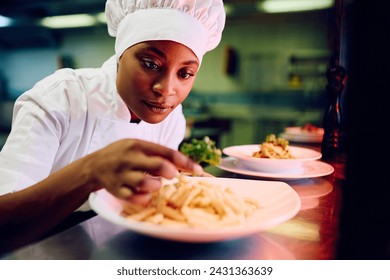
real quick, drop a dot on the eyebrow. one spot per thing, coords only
(162, 54)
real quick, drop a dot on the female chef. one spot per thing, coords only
(78, 131)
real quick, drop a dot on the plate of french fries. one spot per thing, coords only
(203, 209)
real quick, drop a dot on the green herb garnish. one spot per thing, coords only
(271, 138)
(202, 151)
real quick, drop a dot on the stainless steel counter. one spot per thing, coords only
(311, 234)
(97, 238)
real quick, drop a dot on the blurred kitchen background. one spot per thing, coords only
(267, 73)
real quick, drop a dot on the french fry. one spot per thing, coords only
(131, 208)
(166, 191)
(177, 199)
(173, 214)
(155, 219)
(192, 194)
(201, 202)
(252, 201)
(142, 215)
(215, 201)
(199, 215)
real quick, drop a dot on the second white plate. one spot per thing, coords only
(311, 169)
(302, 138)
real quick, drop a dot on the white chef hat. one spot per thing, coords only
(197, 24)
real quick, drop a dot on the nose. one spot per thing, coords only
(165, 84)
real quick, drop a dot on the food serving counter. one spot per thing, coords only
(311, 234)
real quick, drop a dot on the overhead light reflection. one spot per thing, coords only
(69, 21)
(101, 17)
(284, 6)
(5, 21)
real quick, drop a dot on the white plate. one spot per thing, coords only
(300, 135)
(297, 130)
(244, 154)
(311, 169)
(279, 203)
(302, 138)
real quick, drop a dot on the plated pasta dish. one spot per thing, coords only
(187, 203)
(275, 148)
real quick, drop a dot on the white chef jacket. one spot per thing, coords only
(68, 115)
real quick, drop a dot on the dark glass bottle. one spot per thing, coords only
(333, 143)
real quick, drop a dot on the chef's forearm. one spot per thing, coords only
(30, 213)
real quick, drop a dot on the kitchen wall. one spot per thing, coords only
(263, 46)
(262, 49)
(23, 67)
(258, 98)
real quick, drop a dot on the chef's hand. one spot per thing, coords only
(130, 168)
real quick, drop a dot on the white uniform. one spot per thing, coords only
(69, 115)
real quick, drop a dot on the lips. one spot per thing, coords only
(158, 108)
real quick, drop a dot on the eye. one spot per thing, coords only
(150, 64)
(185, 74)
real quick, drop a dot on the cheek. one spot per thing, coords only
(130, 82)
